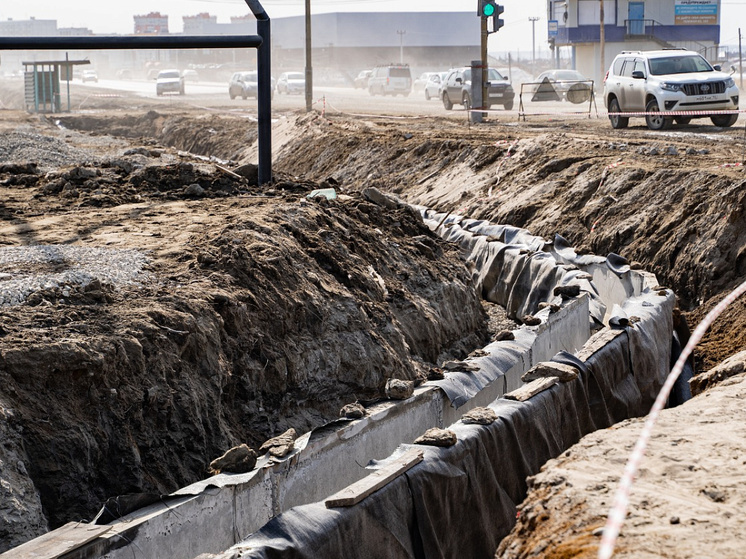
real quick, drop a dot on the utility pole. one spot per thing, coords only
(740, 60)
(533, 20)
(602, 35)
(309, 70)
(401, 34)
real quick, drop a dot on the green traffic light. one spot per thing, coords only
(488, 9)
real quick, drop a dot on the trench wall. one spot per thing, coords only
(512, 268)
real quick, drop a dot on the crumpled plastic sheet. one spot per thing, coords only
(461, 501)
(518, 270)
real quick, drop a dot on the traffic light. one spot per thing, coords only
(487, 8)
(497, 21)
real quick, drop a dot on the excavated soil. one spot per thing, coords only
(259, 309)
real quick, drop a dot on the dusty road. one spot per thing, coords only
(107, 387)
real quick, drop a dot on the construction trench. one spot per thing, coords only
(598, 351)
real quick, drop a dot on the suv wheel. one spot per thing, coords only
(656, 122)
(509, 105)
(617, 121)
(724, 120)
(427, 95)
(466, 101)
(447, 102)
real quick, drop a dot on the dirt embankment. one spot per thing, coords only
(263, 310)
(258, 310)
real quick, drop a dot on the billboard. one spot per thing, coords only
(696, 12)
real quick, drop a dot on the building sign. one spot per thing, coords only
(696, 12)
(553, 26)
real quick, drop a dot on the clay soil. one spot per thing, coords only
(261, 309)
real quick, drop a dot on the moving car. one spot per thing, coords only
(89, 76)
(456, 89)
(361, 81)
(245, 84)
(668, 80)
(390, 79)
(434, 82)
(169, 81)
(421, 81)
(291, 82)
(564, 80)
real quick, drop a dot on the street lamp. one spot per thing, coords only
(401, 45)
(533, 20)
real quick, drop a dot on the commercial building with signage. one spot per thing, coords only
(631, 25)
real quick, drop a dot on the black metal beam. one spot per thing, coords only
(130, 42)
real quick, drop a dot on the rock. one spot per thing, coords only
(352, 411)
(567, 291)
(397, 389)
(563, 372)
(479, 416)
(379, 198)
(671, 150)
(553, 308)
(194, 189)
(435, 373)
(674, 520)
(250, 172)
(238, 460)
(459, 366)
(503, 335)
(280, 445)
(437, 437)
(530, 320)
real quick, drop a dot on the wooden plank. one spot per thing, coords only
(57, 542)
(532, 389)
(359, 490)
(597, 341)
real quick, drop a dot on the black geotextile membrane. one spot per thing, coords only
(461, 501)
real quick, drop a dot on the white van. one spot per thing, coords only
(391, 79)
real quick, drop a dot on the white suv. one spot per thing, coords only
(675, 80)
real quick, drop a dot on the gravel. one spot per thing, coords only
(25, 270)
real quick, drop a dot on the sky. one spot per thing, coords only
(107, 16)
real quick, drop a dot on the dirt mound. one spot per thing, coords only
(674, 204)
(261, 310)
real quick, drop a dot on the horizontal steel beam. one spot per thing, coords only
(130, 42)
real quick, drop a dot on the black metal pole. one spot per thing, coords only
(264, 93)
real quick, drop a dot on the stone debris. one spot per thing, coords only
(352, 411)
(281, 445)
(397, 389)
(530, 320)
(567, 291)
(435, 373)
(734, 365)
(553, 308)
(238, 460)
(503, 335)
(460, 366)
(479, 416)
(564, 373)
(437, 437)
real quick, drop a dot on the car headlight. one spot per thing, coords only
(670, 86)
(729, 82)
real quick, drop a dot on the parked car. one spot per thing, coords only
(169, 81)
(564, 80)
(245, 84)
(361, 81)
(391, 79)
(456, 89)
(434, 82)
(419, 83)
(291, 82)
(89, 76)
(668, 80)
(190, 75)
